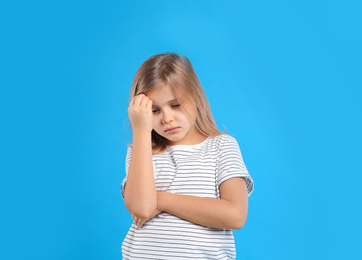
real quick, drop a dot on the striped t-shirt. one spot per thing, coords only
(196, 170)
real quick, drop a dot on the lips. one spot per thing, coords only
(172, 130)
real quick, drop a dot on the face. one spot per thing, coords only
(170, 119)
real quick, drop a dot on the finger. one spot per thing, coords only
(136, 222)
(133, 102)
(135, 219)
(140, 223)
(144, 101)
(149, 104)
(138, 99)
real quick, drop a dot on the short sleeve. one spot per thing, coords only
(231, 163)
(128, 160)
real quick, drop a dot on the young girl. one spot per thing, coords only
(186, 186)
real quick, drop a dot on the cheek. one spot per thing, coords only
(154, 122)
(190, 118)
(189, 113)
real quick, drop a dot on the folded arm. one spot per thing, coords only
(228, 212)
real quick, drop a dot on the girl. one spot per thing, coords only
(186, 186)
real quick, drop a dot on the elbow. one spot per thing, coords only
(144, 214)
(141, 211)
(239, 224)
(140, 206)
(238, 221)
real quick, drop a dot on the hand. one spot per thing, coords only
(140, 113)
(140, 222)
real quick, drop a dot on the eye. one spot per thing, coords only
(177, 105)
(154, 111)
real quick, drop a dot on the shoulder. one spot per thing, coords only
(224, 139)
(227, 138)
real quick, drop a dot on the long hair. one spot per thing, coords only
(175, 71)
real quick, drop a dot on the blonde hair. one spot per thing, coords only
(175, 71)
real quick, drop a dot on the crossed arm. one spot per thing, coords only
(229, 212)
(144, 203)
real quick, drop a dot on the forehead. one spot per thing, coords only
(162, 95)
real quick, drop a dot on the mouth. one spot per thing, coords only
(172, 130)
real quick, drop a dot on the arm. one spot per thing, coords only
(140, 195)
(228, 212)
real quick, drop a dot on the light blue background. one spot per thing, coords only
(283, 77)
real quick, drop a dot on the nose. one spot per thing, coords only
(167, 117)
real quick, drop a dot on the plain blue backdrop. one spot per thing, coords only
(283, 77)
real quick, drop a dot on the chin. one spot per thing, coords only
(174, 139)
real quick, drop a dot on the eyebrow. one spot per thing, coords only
(171, 101)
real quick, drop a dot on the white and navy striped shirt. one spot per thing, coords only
(196, 170)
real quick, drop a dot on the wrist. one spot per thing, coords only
(142, 132)
(161, 201)
(142, 136)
